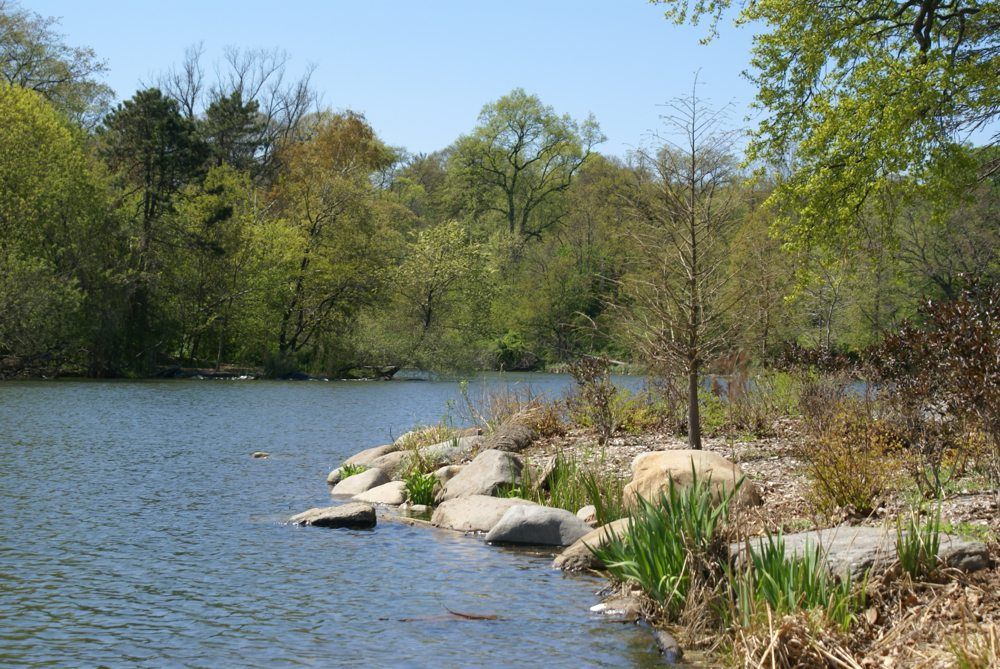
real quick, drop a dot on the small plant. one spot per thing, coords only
(594, 397)
(918, 543)
(347, 471)
(671, 544)
(420, 488)
(790, 584)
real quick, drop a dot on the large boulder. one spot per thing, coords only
(392, 493)
(353, 515)
(359, 483)
(394, 464)
(452, 451)
(367, 456)
(652, 473)
(855, 550)
(478, 513)
(488, 473)
(537, 525)
(447, 473)
(579, 557)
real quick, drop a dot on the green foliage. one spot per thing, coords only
(789, 584)
(347, 471)
(420, 488)
(671, 543)
(917, 543)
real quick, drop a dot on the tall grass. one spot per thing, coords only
(917, 544)
(572, 486)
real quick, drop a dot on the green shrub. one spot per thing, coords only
(790, 584)
(713, 411)
(420, 488)
(918, 543)
(756, 403)
(645, 411)
(347, 471)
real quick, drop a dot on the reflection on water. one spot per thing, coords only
(136, 530)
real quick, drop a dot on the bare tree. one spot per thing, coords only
(685, 200)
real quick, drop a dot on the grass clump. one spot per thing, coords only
(671, 544)
(420, 488)
(571, 486)
(773, 581)
(917, 544)
(347, 471)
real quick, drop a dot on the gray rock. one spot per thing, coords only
(367, 456)
(393, 464)
(353, 515)
(359, 483)
(260, 455)
(447, 473)
(669, 648)
(588, 514)
(538, 525)
(478, 513)
(579, 557)
(333, 478)
(855, 550)
(392, 493)
(625, 608)
(488, 473)
(452, 451)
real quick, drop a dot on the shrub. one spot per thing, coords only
(790, 584)
(852, 460)
(918, 543)
(495, 405)
(593, 400)
(420, 488)
(755, 404)
(347, 471)
(645, 411)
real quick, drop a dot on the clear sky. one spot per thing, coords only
(421, 70)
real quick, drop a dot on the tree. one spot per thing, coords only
(33, 56)
(520, 157)
(334, 229)
(864, 92)
(232, 130)
(685, 202)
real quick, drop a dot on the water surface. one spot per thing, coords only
(137, 531)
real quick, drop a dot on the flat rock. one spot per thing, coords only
(359, 483)
(537, 525)
(486, 475)
(625, 608)
(352, 515)
(855, 550)
(392, 493)
(478, 513)
(367, 456)
(653, 471)
(578, 557)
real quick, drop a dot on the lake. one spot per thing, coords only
(136, 530)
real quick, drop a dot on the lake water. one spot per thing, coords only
(135, 530)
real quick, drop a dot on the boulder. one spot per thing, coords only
(623, 608)
(478, 513)
(652, 473)
(393, 464)
(353, 515)
(392, 493)
(359, 483)
(367, 456)
(488, 473)
(537, 525)
(578, 557)
(588, 514)
(513, 436)
(452, 451)
(447, 473)
(333, 478)
(855, 550)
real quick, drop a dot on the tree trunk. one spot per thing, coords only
(694, 419)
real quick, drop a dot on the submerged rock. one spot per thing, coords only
(855, 550)
(478, 513)
(668, 646)
(537, 525)
(652, 473)
(392, 493)
(353, 516)
(359, 483)
(486, 475)
(260, 455)
(579, 557)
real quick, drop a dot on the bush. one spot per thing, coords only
(755, 404)
(645, 411)
(593, 401)
(852, 459)
(347, 471)
(420, 488)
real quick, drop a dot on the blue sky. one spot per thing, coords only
(421, 71)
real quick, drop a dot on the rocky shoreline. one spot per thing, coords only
(472, 495)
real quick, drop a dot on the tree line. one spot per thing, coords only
(232, 221)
